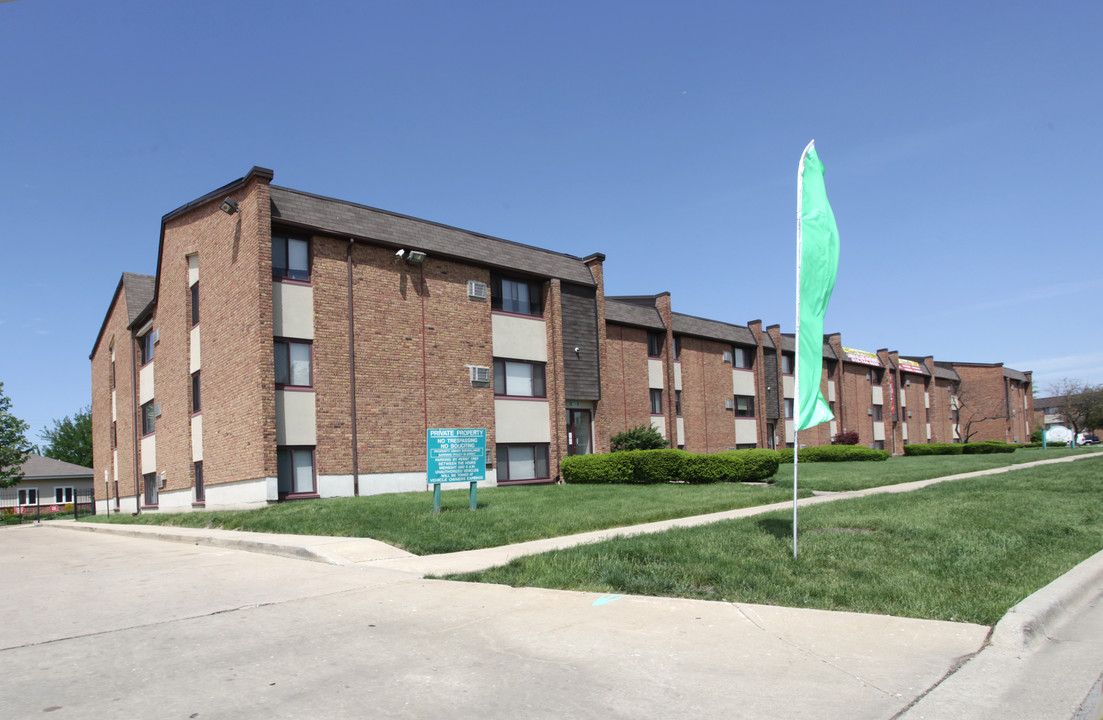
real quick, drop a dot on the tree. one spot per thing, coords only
(14, 447)
(970, 410)
(70, 439)
(1080, 404)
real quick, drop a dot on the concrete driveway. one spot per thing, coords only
(105, 626)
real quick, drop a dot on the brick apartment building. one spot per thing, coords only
(291, 345)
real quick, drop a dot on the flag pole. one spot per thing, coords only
(796, 361)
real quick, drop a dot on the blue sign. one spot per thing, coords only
(456, 455)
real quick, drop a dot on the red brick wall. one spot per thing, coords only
(416, 331)
(624, 379)
(982, 395)
(114, 331)
(706, 389)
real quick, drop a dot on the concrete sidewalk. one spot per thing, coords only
(1043, 660)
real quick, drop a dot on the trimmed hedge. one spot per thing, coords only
(934, 449)
(663, 466)
(834, 453)
(984, 448)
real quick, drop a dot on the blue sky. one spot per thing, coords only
(961, 145)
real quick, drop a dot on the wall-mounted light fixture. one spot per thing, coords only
(229, 206)
(415, 257)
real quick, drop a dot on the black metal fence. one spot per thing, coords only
(20, 505)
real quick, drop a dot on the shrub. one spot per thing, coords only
(846, 437)
(666, 465)
(644, 437)
(934, 449)
(1036, 435)
(834, 453)
(984, 448)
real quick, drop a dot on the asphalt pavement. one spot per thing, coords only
(111, 623)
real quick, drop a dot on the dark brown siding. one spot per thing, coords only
(581, 369)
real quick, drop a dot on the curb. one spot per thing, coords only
(1027, 622)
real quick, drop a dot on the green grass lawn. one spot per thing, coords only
(838, 477)
(504, 515)
(966, 550)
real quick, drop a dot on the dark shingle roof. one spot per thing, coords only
(631, 314)
(341, 218)
(37, 466)
(1015, 375)
(788, 342)
(945, 373)
(691, 325)
(139, 293)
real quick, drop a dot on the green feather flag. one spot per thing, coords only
(817, 266)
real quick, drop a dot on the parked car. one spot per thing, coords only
(1086, 439)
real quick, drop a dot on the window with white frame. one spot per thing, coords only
(522, 462)
(28, 496)
(293, 363)
(519, 378)
(63, 495)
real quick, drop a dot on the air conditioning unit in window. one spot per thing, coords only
(479, 375)
(489, 458)
(161, 481)
(155, 337)
(156, 409)
(476, 290)
(729, 404)
(869, 411)
(727, 356)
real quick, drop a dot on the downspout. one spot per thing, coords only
(135, 420)
(352, 382)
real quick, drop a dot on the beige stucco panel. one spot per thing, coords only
(295, 418)
(519, 338)
(145, 384)
(743, 382)
(878, 431)
(746, 430)
(654, 373)
(521, 421)
(677, 376)
(659, 423)
(788, 385)
(681, 431)
(877, 396)
(149, 454)
(831, 391)
(193, 359)
(293, 311)
(197, 438)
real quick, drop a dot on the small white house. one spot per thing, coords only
(46, 483)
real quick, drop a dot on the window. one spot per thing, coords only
(295, 471)
(677, 347)
(746, 446)
(742, 358)
(195, 304)
(522, 462)
(150, 482)
(678, 402)
(830, 368)
(515, 296)
(654, 344)
(656, 402)
(928, 415)
(292, 363)
(877, 444)
(878, 413)
(831, 405)
(519, 379)
(196, 398)
(200, 491)
(291, 258)
(876, 376)
(145, 346)
(28, 496)
(789, 407)
(149, 417)
(63, 495)
(787, 362)
(112, 372)
(744, 406)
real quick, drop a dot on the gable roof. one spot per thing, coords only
(137, 292)
(37, 467)
(339, 217)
